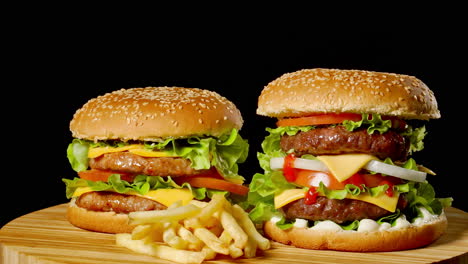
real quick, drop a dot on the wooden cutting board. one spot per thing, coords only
(45, 236)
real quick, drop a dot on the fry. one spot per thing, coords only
(250, 249)
(172, 214)
(170, 238)
(194, 243)
(249, 227)
(211, 240)
(234, 251)
(141, 231)
(160, 251)
(230, 225)
(216, 203)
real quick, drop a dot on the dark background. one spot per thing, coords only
(54, 71)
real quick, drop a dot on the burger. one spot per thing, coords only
(338, 172)
(147, 148)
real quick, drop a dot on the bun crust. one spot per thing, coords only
(106, 222)
(312, 91)
(389, 240)
(155, 113)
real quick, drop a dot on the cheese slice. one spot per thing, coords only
(346, 165)
(383, 201)
(137, 149)
(162, 196)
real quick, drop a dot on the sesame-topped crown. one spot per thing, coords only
(155, 113)
(312, 91)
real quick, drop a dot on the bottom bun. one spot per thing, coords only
(412, 236)
(106, 222)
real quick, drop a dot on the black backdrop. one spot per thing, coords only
(55, 72)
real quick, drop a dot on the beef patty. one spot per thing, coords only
(338, 211)
(338, 140)
(135, 164)
(116, 202)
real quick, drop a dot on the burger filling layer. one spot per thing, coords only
(116, 202)
(128, 162)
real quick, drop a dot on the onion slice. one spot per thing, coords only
(373, 165)
(396, 171)
(305, 164)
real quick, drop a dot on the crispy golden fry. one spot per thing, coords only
(194, 232)
(141, 231)
(211, 240)
(235, 252)
(160, 251)
(249, 227)
(172, 214)
(250, 249)
(231, 226)
(216, 203)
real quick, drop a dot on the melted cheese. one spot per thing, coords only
(383, 201)
(137, 149)
(346, 165)
(163, 196)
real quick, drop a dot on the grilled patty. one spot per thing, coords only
(338, 140)
(135, 164)
(116, 202)
(338, 211)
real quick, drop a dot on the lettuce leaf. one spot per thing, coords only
(376, 123)
(142, 184)
(224, 152)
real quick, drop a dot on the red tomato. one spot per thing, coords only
(213, 183)
(289, 171)
(320, 119)
(313, 178)
(103, 175)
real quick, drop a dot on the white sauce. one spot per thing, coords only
(367, 225)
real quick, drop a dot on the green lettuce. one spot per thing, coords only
(224, 152)
(376, 123)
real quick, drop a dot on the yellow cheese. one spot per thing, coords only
(288, 196)
(137, 149)
(96, 152)
(163, 196)
(148, 153)
(346, 165)
(383, 201)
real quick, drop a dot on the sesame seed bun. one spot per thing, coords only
(412, 236)
(155, 113)
(312, 91)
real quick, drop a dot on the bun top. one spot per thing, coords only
(155, 113)
(313, 91)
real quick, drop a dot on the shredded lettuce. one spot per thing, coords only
(224, 152)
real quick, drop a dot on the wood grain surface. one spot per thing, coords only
(45, 236)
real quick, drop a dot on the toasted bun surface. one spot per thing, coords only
(106, 222)
(155, 113)
(389, 240)
(313, 91)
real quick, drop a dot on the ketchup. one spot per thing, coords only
(289, 171)
(389, 191)
(311, 196)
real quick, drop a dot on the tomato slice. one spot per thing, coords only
(310, 178)
(213, 183)
(289, 171)
(320, 119)
(103, 175)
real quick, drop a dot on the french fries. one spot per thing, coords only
(194, 232)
